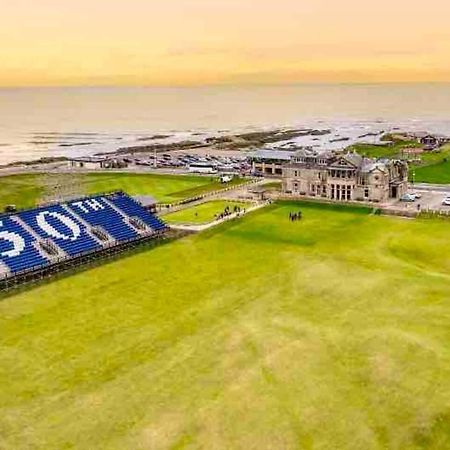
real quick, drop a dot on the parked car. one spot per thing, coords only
(408, 198)
(446, 201)
(418, 195)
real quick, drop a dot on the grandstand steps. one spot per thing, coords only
(135, 223)
(135, 210)
(40, 244)
(4, 270)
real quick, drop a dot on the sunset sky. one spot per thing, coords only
(196, 42)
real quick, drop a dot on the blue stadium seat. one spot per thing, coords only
(133, 209)
(16, 247)
(97, 212)
(67, 225)
(64, 229)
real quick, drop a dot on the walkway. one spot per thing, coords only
(233, 216)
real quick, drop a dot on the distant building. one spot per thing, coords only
(344, 177)
(430, 141)
(269, 162)
(96, 162)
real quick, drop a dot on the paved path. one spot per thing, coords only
(206, 226)
(232, 192)
(431, 187)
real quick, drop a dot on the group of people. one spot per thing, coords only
(227, 212)
(293, 217)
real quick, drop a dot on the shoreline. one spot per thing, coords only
(322, 136)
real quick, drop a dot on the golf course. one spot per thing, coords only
(204, 212)
(332, 332)
(26, 190)
(433, 168)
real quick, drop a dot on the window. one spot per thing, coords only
(366, 192)
(349, 193)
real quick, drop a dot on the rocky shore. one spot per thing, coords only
(222, 141)
(238, 141)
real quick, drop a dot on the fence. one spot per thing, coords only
(176, 206)
(433, 214)
(86, 259)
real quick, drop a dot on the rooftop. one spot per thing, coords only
(91, 159)
(283, 155)
(145, 200)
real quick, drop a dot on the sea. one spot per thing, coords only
(78, 121)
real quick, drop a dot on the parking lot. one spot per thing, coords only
(230, 162)
(430, 200)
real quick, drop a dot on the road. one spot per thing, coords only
(431, 187)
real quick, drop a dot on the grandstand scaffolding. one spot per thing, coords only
(60, 187)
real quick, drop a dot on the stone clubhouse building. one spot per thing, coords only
(339, 177)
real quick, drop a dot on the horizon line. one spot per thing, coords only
(224, 85)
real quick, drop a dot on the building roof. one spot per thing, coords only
(92, 159)
(305, 152)
(426, 134)
(145, 200)
(370, 166)
(282, 155)
(354, 158)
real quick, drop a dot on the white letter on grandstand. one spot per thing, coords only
(51, 231)
(94, 204)
(17, 241)
(81, 206)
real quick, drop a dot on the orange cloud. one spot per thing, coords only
(194, 42)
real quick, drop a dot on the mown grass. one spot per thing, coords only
(435, 168)
(393, 150)
(21, 190)
(437, 173)
(165, 188)
(26, 191)
(273, 186)
(331, 333)
(203, 213)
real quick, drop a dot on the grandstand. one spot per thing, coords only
(44, 240)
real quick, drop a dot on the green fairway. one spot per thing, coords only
(332, 332)
(165, 188)
(20, 190)
(393, 150)
(435, 168)
(203, 213)
(26, 190)
(436, 173)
